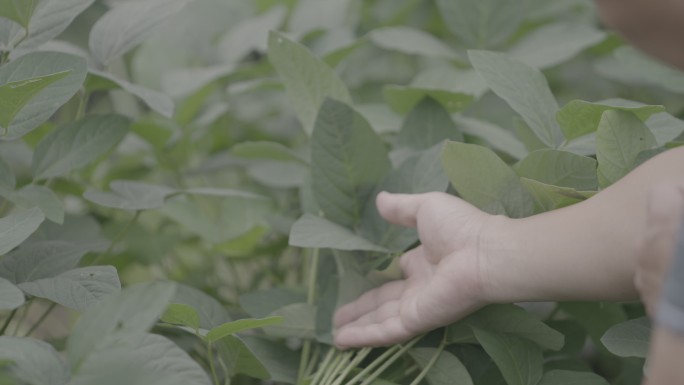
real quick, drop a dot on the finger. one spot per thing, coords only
(388, 332)
(400, 209)
(416, 265)
(368, 302)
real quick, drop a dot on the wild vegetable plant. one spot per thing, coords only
(221, 159)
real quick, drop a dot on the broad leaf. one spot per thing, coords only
(482, 23)
(312, 231)
(484, 180)
(569, 377)
(19, 11)
(42, 197)
(10, 296)
(280, 361)
(427, 125)
(520, 361)
(75, 145)
(621, 137)
(34, 362)
(77, 289)
(250, 34)
(559, 168)
(555, 43)
(629, 339)
(43, 259)
(134, 350)
(182, 83)
(49, 20)
(131, 195)
(15, 228)
(155, 100)
(524, 88)
(239, 359)
(7, 180)
(182, 315)
(266, 151)
(642, 67)
(549, 197)
(347, 160)
(595, 317)
(447, 370)
(134, 310)
(411, 41)
(211, 312)
(261, 303)
(298, 321)
(579, 118)
(497, 137)
(308, 80)
(127, 25)
(509, 319)
(14, 96)
(665, 127)
(233, 327)
(55, 90)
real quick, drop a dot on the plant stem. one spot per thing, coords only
(322, 368)
(360, 355)
(117, 239)
(390, 361)
(330, 370)
(373, 364)
(41, 319)
(7, 321)
(310, 299)
(21, 319)
(82, 104)
(344, 362)
(430, 363)
(312, 361)
(210, 357)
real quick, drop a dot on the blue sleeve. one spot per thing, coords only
(670, 311)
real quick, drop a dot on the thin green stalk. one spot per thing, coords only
(7, 321)
(323, 367)
(430, 363)
(24, 313)
(82, 104)
(330, 370)
(117, 239)
(360, 356)
(210, 357)
(390, 361)
(312, 361)
(41, 319)
(378, 361)
(310, 299)
(553, 313)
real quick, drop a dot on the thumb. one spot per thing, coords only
(401, 209)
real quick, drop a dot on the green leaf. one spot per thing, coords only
(579, 118)
(520, 361)
(427, 125)
(157, 101)
(127, 25)
(50, 19)
(234, 327)
(411, 41)
(131, 195)
(14, 96)
(34, 362)
(42, 197)
(239, 359)
(308, 80)
(10, 296)
(555, 43)
(182, 83)
(347, 160)
(642, 67)
(298, 321)
(559, 168)
(568, 377)
(312, 231)
(484, 180)
(264, 302)
(183, 315)
(629, 339)
(77, 289)
(55, 88)
(482, 23)
(134, 310)
(15, 228)
(18, 10)
(595, 317)
(281, 362)
(508, 319)
(77, 144)
(621, 137)
(136, 350)
(524, 88)
(44, 259)
(211, 312)
(665, 127)
(549, 197)
(447, 370)
(266, 151)
(7, 180)
(250, 35)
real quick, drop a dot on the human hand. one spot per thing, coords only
(442, 281)
(665, 211)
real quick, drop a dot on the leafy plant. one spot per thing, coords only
(219, 160)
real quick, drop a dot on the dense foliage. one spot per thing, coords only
(219, 158)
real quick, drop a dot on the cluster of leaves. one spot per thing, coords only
(183, 142)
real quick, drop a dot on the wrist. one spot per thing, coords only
(497, 249)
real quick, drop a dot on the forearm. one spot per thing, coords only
(587, 251)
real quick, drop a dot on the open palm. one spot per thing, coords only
(442, 277)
